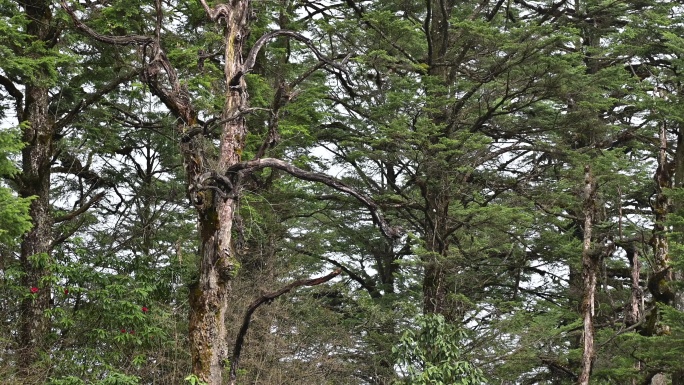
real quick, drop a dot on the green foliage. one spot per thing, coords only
(110, 379)
(14, 215)
(432, 354)
(193, 380)
(469, 124)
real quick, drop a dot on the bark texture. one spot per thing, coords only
(435, 189)
(590, 265)
(35, 182)
(218, 263)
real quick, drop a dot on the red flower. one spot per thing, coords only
(34, 289)
(144, 309)
(66, 291)
(123, 330)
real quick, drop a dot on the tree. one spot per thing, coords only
(35, 73)
(527, 155)
(214, 181)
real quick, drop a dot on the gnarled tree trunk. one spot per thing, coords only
(218, 264)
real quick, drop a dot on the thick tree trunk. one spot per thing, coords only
(35, 182)
(590, 265)
(435, 288)
(435, 189)
(35, 247)
(218, 263)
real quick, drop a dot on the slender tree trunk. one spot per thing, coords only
(663, 206)
(35, 182)
(589, 268)
(635, 312)
(678, 376)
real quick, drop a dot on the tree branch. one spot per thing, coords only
(116, 40)
(367, 284)
(80, 210)
(378, 219)
(269, 297)
(92, 98)
(15, 93)
(259, 44)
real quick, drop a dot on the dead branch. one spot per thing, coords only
(15, 93)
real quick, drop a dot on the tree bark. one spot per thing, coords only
(435, 189)
(678, 182)
(589, 269)
(218, 262)
(35, 182)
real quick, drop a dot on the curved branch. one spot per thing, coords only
(80, 210)
(15, 93)
(219, 11)
(259, 44)
(116, 40)
(260, 301)
(378, 219)
(367, 284)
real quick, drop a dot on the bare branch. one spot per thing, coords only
(366, 282)
(175, 99)
(219, 11)
(15, 93)
(267, 298)
(80, 210)
(257, 164)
